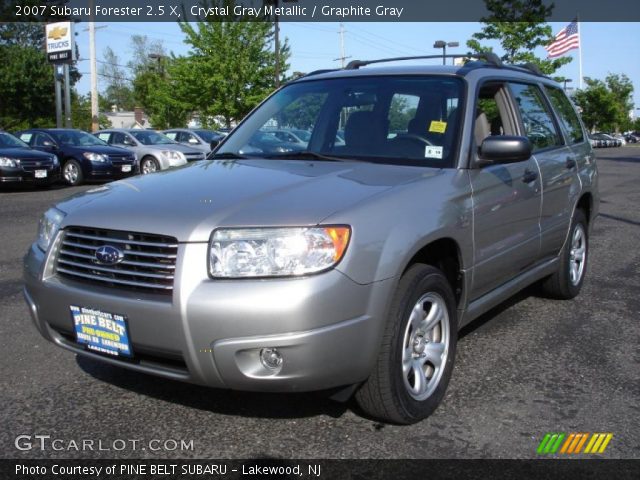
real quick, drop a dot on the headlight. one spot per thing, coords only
(172, 155)
(49, 225)
(95, 157)
(9, 162)
(269, 252)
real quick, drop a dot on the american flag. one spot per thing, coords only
(566, 39)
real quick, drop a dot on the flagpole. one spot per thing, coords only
(579, 48)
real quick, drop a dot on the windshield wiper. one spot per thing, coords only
(308, 155)
(227, 155)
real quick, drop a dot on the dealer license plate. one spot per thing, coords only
(101, 332)
(126, 168)
(41, 174)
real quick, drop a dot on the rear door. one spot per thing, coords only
(556, 161)
(506, 199)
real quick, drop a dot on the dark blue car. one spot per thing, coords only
(83, 157)
(19, 163)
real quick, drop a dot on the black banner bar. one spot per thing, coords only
(298, 10)
(320, 469)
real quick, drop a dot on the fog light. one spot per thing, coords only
(271, 358)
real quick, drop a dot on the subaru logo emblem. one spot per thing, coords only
(108, 255)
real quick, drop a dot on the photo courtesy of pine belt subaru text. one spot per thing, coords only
(338, 239)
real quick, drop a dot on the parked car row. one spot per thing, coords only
(633, 137)
(43, 156)
(601, 140)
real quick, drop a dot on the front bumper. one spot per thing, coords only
(107, 170)
(210, 332)
(22, 175)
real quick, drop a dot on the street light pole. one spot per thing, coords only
(443, 45)
(565, 81)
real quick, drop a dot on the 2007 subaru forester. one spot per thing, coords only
(424, 197)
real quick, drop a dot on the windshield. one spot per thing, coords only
(149, 137)
(76, 138)
(9, 141)
(395, 119)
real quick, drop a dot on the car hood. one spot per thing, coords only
(102, 149)
(21, 152)
(190, 201)
(177, 147)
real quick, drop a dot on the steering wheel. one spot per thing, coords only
(414, 137)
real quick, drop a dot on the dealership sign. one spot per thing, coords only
(59, 42)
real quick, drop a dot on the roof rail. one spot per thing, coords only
(488, 57)
(532, 67)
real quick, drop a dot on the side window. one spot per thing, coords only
(566, 113)
(172, 135)
(41, 140)
(191, 139)
(491, 112)
(538, 122)
(402, 111)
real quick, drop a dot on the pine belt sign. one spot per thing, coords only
(60, 42)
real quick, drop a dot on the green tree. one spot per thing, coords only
(605, 105)
(230, 68)
(26, 88)
(520, 27)
(81, 113)
(118, 90)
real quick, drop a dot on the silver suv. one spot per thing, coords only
(350, 265)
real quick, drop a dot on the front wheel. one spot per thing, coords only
(149, 165)
(567, 281)
(72, 173)
(416, 357)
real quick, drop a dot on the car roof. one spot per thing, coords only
(481, 68)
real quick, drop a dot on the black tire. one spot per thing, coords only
(154, 166)
(385, 395)
(72, 173)
(560, 285)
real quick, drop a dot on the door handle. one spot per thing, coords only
(529, 176)
(571, 162)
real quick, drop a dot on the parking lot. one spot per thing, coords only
(529, 367)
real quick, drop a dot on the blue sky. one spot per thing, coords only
(606, 47)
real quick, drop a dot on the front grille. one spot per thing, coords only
(32, 164)
(148, 265)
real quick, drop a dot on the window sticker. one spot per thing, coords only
(433, 151)
(437, 127)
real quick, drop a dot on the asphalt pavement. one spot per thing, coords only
(529, 367)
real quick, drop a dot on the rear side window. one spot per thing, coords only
(538, 122)
(566, 113)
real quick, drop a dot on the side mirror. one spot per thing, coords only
(47, 145)
(504, 149)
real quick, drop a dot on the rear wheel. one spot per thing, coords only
(416, 357)
(149, 165)
(72, 173)
(567, 281)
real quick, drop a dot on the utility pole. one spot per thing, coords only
(94, 76)
(342, 56)
(94, 73)
(277, 46)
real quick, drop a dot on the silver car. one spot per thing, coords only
(349, 265)
(198, 138)
(154, 150)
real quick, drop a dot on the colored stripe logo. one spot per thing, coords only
(574, 443)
